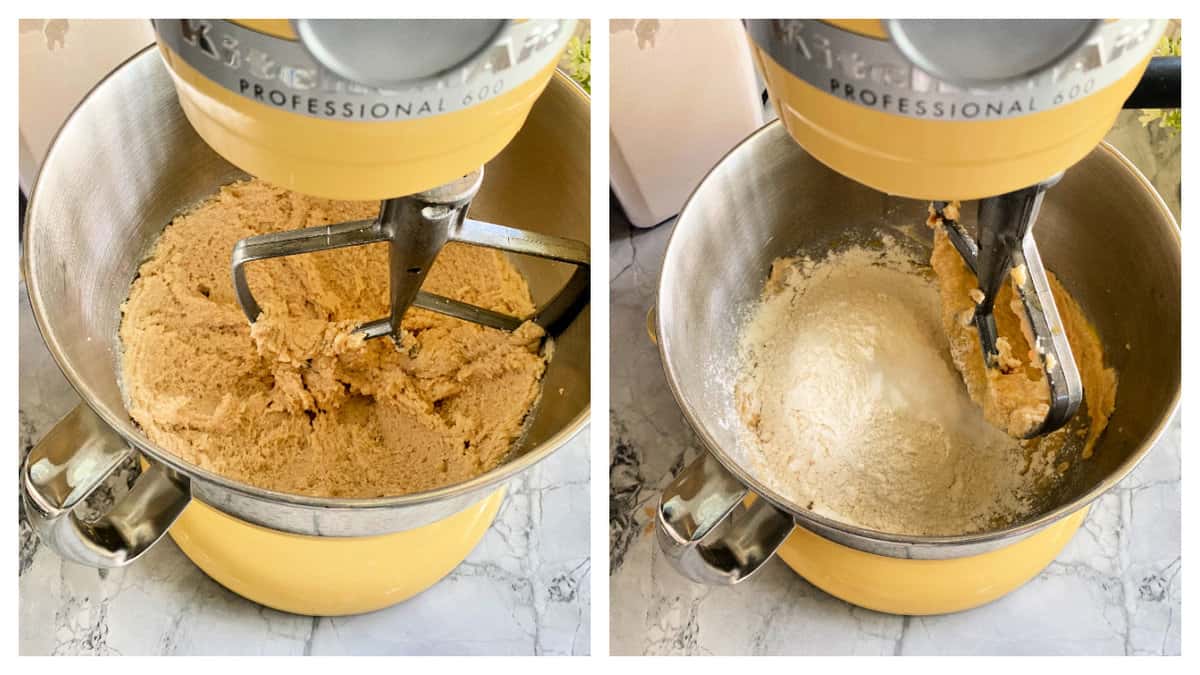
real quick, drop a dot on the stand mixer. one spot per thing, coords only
(401, 110)
(993, 110)
(888, 123)
(427, 104)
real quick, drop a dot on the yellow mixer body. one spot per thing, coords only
(434, 141)
(1025, 140)
(328, 576)
(924, 587)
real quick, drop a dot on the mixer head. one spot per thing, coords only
(961, 109)
(369, 109)
(359, 109)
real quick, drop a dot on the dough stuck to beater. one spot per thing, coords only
(1016, 396)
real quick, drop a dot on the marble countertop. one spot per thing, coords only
(526, 587)
(1114, 590)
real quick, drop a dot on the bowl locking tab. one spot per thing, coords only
(711, 531)
(81, 456)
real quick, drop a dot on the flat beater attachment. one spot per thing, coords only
(416, 228)
(1005, 242)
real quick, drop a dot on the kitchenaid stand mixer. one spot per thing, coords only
(310, 555)
(933, 111)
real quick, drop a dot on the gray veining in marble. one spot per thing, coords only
(524, 590)
(1114, 590)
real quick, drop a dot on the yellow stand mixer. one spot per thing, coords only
(407, 112)
(931, 110)
(374, 109)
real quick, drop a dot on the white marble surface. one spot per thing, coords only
(524, 590)
(1114, 590)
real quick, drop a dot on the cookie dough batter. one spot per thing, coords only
(299, 404)
(1015, 397)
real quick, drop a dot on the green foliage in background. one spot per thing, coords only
(1167, 119)
(578, 61)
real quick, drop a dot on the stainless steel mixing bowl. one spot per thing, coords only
(124, 163)
(1103, 230)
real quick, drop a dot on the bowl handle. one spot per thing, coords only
(72, 462)
(708, 531)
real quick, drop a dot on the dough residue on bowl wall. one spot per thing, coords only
(852, 407)
(298, 403)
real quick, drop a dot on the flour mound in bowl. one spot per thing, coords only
(852, 407)
(297, 402)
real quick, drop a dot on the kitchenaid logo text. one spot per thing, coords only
(872, 73)
(280, 73)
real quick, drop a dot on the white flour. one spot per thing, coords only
(853, 408)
